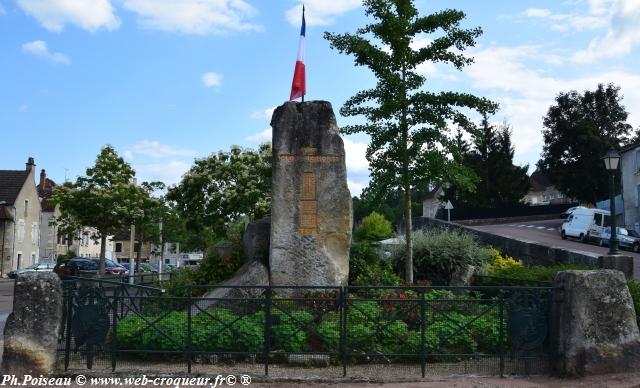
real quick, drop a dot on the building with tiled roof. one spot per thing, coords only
(543, 192)
(20, 213)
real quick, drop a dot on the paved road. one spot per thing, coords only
(547, 232)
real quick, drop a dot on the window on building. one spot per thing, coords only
(21, 231)
(34, 233)
(26, 208)
(118, 247)
(638, 161)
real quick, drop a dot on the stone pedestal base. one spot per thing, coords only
(620, 262)
(593, 324)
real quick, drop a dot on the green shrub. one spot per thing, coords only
(374, 227)
(442, 251)
(213, 331)
(290, 334)
(249, 333)
(634, 290)
(535, 273)
(329, 333)
(367, 269)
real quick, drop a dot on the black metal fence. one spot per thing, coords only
(330, 331)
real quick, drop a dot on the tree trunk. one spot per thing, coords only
(103, 252)
(408, 227)
(408, 264)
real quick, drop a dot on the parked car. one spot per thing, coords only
(40, 267)
(111, 267)
(78, 266)
(585, 223)
(626, 238)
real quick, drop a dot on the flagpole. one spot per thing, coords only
(303, 19)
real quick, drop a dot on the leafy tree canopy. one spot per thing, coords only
(578, 131)
(408, 125)
(103, 199)
(224, 187)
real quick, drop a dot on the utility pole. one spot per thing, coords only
(132, 243)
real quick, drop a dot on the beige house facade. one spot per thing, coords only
(20, 218)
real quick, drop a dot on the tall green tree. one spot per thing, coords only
(103, 199)
(578, 130)
(148, 212)
(501, 183)
(224, 187)
(408, 125)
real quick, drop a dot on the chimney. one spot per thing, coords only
(31, 164)
(43, 179)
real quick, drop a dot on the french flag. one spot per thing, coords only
(299, 84)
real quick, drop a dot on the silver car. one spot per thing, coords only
(626, 238)
(45, 266)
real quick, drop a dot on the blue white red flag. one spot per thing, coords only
(299, 84)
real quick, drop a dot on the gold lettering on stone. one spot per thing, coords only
(310, 158)
(308, 205)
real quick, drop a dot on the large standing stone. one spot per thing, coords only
(311, 216)
(593, 325)
(31, 331)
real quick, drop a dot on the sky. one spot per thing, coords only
(166, 82)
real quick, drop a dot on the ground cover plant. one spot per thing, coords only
(385, 324)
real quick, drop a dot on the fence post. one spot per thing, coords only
(67, 345)
(423, 325)
(501, 341)
(344, 291)
(114, 339)
(188, 350)
(267, 328)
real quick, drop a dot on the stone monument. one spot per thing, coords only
(593, 324)
(31, 331)
(311, 211)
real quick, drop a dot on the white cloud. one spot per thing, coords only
(320, 12)
(39, 48)
(194, 16)
(623, 33)
(356, 156)
(211, 79)
(263, 114)
(618, 17)
(537, 13)
(88, 15)
(355, 188)
(260, 137)
(507, 75)
(170, 172)
(155, 149)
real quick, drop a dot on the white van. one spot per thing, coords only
(585, 223)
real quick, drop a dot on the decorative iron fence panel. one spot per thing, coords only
(333, 331)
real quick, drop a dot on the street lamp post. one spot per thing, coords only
(611, 161)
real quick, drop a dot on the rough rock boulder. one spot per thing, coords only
(311, 215)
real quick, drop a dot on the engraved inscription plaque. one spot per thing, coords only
(308, 205)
